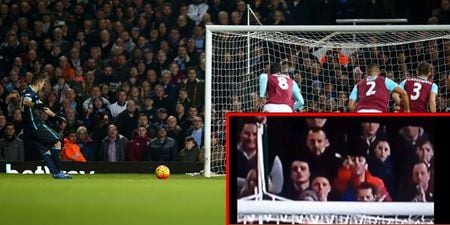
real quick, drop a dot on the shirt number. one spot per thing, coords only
(282, 83)
(371, 90)
(416, 90)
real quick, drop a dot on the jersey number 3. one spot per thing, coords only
(371, 90)
(282, 83)
(416, 91)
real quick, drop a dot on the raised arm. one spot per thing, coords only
(396, 97)
(395, 88)
(404, 96)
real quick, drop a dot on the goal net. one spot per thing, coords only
(325, 61)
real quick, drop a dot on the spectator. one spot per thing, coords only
(299, 180)
(443, 13)
(196, 10)
(404, 156)
(94, 93)
(183, 59)
(381, 165)
(421, 187)
(366, 137)
(11, 146)
(169, 89)
(107, 76)
(319, 155)
(161, 99)
(321, 186)
(139, 145)
(120, 105)
(127, 120)
(185, 28)
(176, 74)
(143, 121)
(300, 12)
(174, 131)
(366, 192)
(99, 112)
(121, 67)
(17, 119)
(86, 144)
(71, 151)
(113, 147)
(163, 148)
(352, 173)
(200, 40)
(425, 151)
(183, 98)
(246, 148)
(12, 101)
(196, 131)
(223, 18)
(148, 108)
(161, 118)
(181, 115)
(3, 122)
(10, 49)
(190, 152)
(106, 93)
(135, 95)
(194, 87)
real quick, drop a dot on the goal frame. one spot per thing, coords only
(287, 28)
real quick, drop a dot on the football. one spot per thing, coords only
(162, 172)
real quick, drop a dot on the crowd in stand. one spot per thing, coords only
(128, 77)
(118, 66)
(340, 159)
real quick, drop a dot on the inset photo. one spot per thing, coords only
(333, 168)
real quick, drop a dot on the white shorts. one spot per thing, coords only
(270, 107)
(369, 111)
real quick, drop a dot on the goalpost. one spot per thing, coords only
(325, 61)
(300, 212)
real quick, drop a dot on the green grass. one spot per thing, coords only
(122, 199)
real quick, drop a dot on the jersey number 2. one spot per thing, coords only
(371, 90)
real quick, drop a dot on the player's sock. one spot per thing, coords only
(50, 163)
(55, 152)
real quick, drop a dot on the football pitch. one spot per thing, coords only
(122, 199)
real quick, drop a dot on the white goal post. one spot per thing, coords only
(310, 212)
(236, 55)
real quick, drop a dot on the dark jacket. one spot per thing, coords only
(121, 145)
(166, 150)
(189, 155)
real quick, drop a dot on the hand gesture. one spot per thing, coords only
(420, 196)
(381, 198)
(348, 162)
(323, 195)
(49, 111)
(262, 102)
